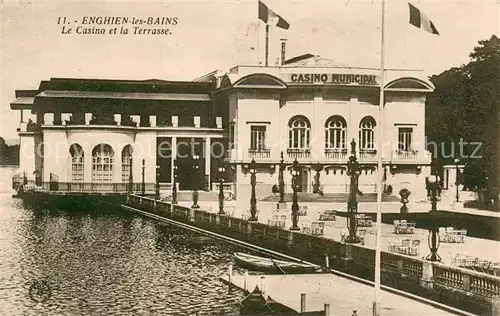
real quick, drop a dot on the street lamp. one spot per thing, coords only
(281, 181)
(157, 184)
(222, 170)
(196, 168)
(352, 205)
(143, 183)
(253, 200)
(457, 180)
(433, 240)
(174, 186)
(295, 206)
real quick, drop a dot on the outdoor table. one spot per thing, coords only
(328, 215)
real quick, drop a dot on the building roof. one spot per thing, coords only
(312, 61)
(150, 89)
(124, 95)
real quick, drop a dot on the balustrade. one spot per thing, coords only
(299, 153)
(334, 153)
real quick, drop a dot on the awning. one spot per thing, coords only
(124, 95)
(22, 103)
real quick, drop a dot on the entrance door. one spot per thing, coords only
(302, 179)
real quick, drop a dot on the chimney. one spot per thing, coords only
(283, 51)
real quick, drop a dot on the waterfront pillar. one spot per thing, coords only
(208, 156)
(143, 182)
(281, 184)
(222, 171)
(157, 183)
(404, 194)
(295, 205)
(174, 182)
(196, 180)
(352, 205)
(433, 240)
(173, 158)
(457, 180)
(253, 200)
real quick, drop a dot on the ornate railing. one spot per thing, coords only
(259, 153)
(299, 153)
(336, 153)
(91, 187)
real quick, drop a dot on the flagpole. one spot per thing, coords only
(380, 147)
(267, 44)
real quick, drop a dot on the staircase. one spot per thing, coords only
(331, 197)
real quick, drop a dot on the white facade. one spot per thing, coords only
(312, 113)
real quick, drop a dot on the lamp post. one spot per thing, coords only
(352, 204)
(222, 170)
(253, 200)
(433, 240)
(281, 181)
(295, 205)
(457, 180)
(196, 169)
(157, 184)
(174, 186)
(143, 183)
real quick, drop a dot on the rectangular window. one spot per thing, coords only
(257, 137)
(405, 136)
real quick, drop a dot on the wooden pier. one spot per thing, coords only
(329, 295)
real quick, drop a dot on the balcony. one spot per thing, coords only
(406, 154)
(336, 153)
(367, 154)
(298, 153)
(259, 153)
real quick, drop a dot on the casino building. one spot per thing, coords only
(101, 134)
(311, 109)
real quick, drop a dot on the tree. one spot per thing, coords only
(464, 106)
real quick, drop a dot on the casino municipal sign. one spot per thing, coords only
(356, 79)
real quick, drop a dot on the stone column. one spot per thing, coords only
(87, 164)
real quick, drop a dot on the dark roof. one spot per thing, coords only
(132, 86)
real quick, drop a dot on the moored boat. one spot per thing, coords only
(257, 263)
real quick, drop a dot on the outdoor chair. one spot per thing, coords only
(282, 221)
(414, 248)
(314, 228)
(392, 246)
(343, 234)
(321, 228)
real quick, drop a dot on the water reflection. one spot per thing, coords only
(107, 262)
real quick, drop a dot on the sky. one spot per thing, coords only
(220, 34)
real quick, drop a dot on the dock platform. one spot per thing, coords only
(342, 295)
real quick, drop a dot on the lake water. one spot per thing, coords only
(106, 262)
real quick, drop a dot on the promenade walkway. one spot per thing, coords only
(475, 247)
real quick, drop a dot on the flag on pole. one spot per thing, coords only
(267, 15)
(421, 21)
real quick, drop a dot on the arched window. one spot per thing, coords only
(367, 133)
(299, 130)
(102, 163)
(77, 163)
(335, 133)
(126, 158)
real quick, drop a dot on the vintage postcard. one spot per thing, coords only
(250, 157)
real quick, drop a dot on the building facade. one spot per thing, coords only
(311, 109)
(98, 135)
(104, 133)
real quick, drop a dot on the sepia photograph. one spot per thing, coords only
(250, 157)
